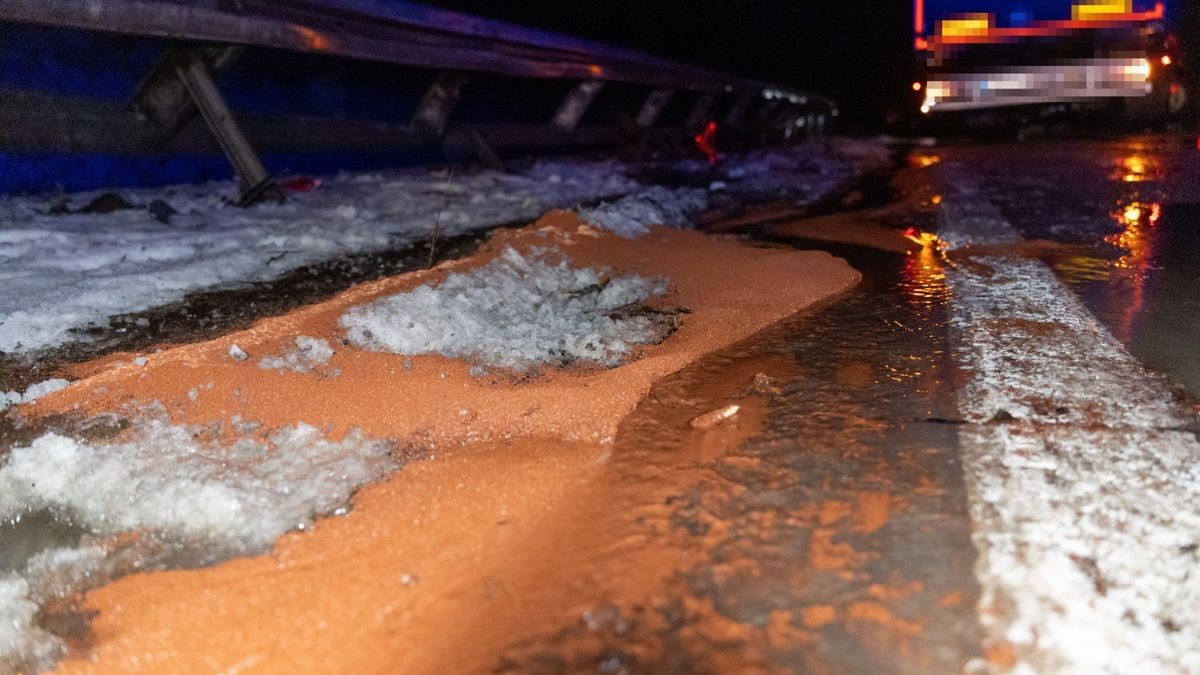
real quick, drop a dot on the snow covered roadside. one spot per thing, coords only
(217, 499)
(71, 271)
(518, 312)
(1083, 480)
(65, 272)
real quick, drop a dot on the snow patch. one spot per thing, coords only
(308, 354)
(21, 642)
(49, 575)
(189, 500)
(519, 312)
(32, 393)
(243, 496)
(64, 272)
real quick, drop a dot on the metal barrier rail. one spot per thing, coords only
(210, 34)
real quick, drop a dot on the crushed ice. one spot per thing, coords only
(163, 478)
(308, 354)
(519, 312)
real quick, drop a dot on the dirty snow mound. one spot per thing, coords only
(309, 353)
(632, 216)
(63, 273)
(519, 312)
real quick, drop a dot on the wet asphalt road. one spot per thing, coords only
(1133, 206)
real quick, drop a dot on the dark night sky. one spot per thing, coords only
(858, 51)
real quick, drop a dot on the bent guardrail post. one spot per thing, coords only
(193, 71)
(656, 101)
(434, 110)
(575, 104)
(162, 99)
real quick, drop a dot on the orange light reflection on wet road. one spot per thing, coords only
(1136, 168)
(923, 161)
(924, 276)
(1136, 240)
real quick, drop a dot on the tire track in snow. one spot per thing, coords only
(1086, 503)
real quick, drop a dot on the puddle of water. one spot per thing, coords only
(31, 534)
(826, 521)
(1150, 299)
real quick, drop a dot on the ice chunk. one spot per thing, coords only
(237, 353)
(309, 353)
(519, 311)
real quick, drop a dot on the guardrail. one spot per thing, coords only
(207, 36)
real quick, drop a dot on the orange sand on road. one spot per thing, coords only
(509, 510)
(731, 289)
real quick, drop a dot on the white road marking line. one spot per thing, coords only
(1086, 507)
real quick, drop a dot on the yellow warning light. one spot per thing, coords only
(965, 25)
(1100, 9)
